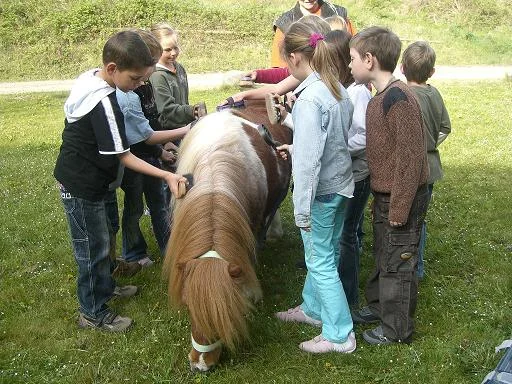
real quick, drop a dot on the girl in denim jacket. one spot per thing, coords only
(322, 172)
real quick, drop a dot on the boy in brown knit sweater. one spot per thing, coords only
(397, 159)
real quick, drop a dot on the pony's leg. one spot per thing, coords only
(275, 229)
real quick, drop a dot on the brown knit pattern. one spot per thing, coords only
(396, 147)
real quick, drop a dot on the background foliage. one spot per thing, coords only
(47, 39)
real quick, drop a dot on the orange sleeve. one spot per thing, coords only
(275, 57)
(350, 27)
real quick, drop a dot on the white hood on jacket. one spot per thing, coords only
(86, 93)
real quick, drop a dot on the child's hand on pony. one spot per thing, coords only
(284, 150)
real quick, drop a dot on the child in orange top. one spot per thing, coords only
(320, 8)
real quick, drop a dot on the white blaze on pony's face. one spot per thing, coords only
(206, 357)
(203, 361)
(200, 365)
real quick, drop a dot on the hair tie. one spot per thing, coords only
(314, 38)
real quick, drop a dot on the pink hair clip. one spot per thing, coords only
(314, 38)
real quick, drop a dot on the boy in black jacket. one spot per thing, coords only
(93, 145)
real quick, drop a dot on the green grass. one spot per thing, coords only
(45, 39)
(464, 308)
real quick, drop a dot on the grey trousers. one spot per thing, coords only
(392, 289)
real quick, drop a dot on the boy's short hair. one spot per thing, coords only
(336, 22)
(418, 61)
(128, 51)
(151, 41)
(382, 43)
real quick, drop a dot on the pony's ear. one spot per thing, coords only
(234, 270)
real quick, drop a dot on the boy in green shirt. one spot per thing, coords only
(418, 62)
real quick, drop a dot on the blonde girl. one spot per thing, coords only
(170, 82)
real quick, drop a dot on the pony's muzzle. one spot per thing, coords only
(203, 361)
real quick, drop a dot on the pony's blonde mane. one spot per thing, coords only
(214, 215)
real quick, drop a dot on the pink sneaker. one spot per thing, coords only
(297, 315)
(321, 345)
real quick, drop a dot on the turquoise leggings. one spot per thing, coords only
(323, 295)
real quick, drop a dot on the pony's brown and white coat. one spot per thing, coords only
(234, 174)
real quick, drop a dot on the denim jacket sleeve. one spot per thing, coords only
(136, 124)
(308, 146)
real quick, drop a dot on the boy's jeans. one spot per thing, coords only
(349, 246)
(90, 229)
(324, 298)
(134, 186)
(392, 289)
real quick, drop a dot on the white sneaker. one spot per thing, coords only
(297, 315)
(321, 345)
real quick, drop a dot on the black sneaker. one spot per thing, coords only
(110, 323)
(364, 316)
(376, 336)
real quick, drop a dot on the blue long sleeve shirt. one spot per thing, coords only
(320, 156)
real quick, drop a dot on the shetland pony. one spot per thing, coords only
(238, 183)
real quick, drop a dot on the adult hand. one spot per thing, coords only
(395, 224)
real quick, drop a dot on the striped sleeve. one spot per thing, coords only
(109, 129)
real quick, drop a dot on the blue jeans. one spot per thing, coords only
(113, 221)
(91, 233)
(323, 295)
(423, 239)
(135, 185)
(349, 263)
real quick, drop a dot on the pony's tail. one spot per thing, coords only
(216, 302)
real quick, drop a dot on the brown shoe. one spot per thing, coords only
(125, 268)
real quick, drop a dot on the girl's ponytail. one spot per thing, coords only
(310, 42)
(325, 63)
